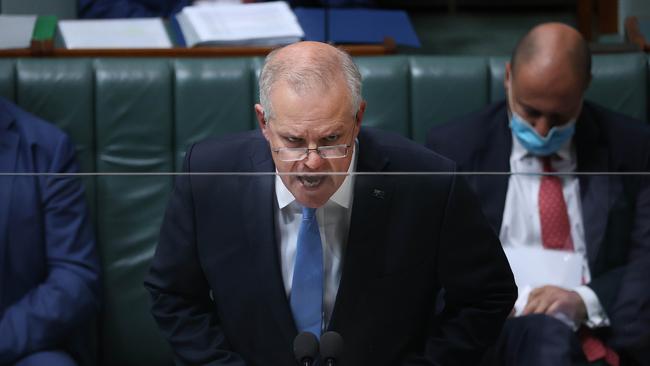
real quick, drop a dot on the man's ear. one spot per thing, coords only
(261, 120)
(359, 115)
(507, 76)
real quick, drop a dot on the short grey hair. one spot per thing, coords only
(321, 71)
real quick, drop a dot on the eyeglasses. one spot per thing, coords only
(299, 153)
(288, 154)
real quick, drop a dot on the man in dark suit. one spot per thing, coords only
(545, 126)
(49, 269)
(234, 278)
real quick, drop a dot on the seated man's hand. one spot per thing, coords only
(551, 300)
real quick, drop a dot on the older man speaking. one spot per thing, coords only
(406, 269)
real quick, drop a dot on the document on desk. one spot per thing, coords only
(536, 267)
(16, 31)
(114, 33)
(259, 24)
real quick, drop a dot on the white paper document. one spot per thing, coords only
(536, 267)
(114, 33)
(268, 23)
(16, 31)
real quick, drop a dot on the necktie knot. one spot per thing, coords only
(546, 164)
(308, 213)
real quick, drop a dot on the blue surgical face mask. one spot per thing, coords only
(539, 145)
(536, 144)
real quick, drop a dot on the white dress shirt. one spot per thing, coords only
(333, 224)
(521, 223)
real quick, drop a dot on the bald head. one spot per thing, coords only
(308, 67)
(554, 49)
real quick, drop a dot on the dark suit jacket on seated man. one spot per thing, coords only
(234, 280)
(49, 269)
(608, 215)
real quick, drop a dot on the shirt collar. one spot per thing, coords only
(342, 196)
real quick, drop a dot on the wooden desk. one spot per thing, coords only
(597, 17)
(46, 49)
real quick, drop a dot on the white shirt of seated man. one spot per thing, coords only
(521, 226)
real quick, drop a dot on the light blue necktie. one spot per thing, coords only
(307, 286)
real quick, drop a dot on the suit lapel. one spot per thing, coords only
(494, 156)
(259, 212)
(368, 223)
(594, 189)
(8, 156)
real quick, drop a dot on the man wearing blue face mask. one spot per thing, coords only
(544, 127)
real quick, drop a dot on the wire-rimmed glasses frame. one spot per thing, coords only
(289, 154)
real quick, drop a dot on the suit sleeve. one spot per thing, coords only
(180, 294)
(625, 291)
(69, 295)
(478, 285)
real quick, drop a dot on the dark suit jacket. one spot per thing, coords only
(615, 209)
(49, 286)
(409, 238)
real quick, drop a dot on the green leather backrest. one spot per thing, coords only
(212, 97)
(619, 82)
(443, 88)
(385, 89)
(497, 67)
(62, 92)
(133, 116)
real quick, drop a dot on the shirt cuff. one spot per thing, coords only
(596, 316)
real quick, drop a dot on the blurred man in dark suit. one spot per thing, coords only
(246, 262)
(49, 270)
(545, 126)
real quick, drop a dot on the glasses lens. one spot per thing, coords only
(333, 152)
(289, 154)
(325, 152)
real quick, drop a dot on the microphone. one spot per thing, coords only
(305, 348)
(331, 348)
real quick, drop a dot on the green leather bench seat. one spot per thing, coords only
(139, 116)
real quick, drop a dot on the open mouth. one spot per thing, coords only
(311, 181)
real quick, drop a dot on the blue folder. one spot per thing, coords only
(357, 26)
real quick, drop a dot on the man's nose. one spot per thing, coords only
(313, 160)
(542, 126)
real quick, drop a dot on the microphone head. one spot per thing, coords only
(331, 346)
(305, 347)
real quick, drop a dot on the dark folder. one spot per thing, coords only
(357, 26)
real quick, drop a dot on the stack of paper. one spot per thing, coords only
(271, 23)
(16, 31)
(114, 33)
(536, 267)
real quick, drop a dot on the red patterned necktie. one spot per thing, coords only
(556, 234)
(553, 214)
